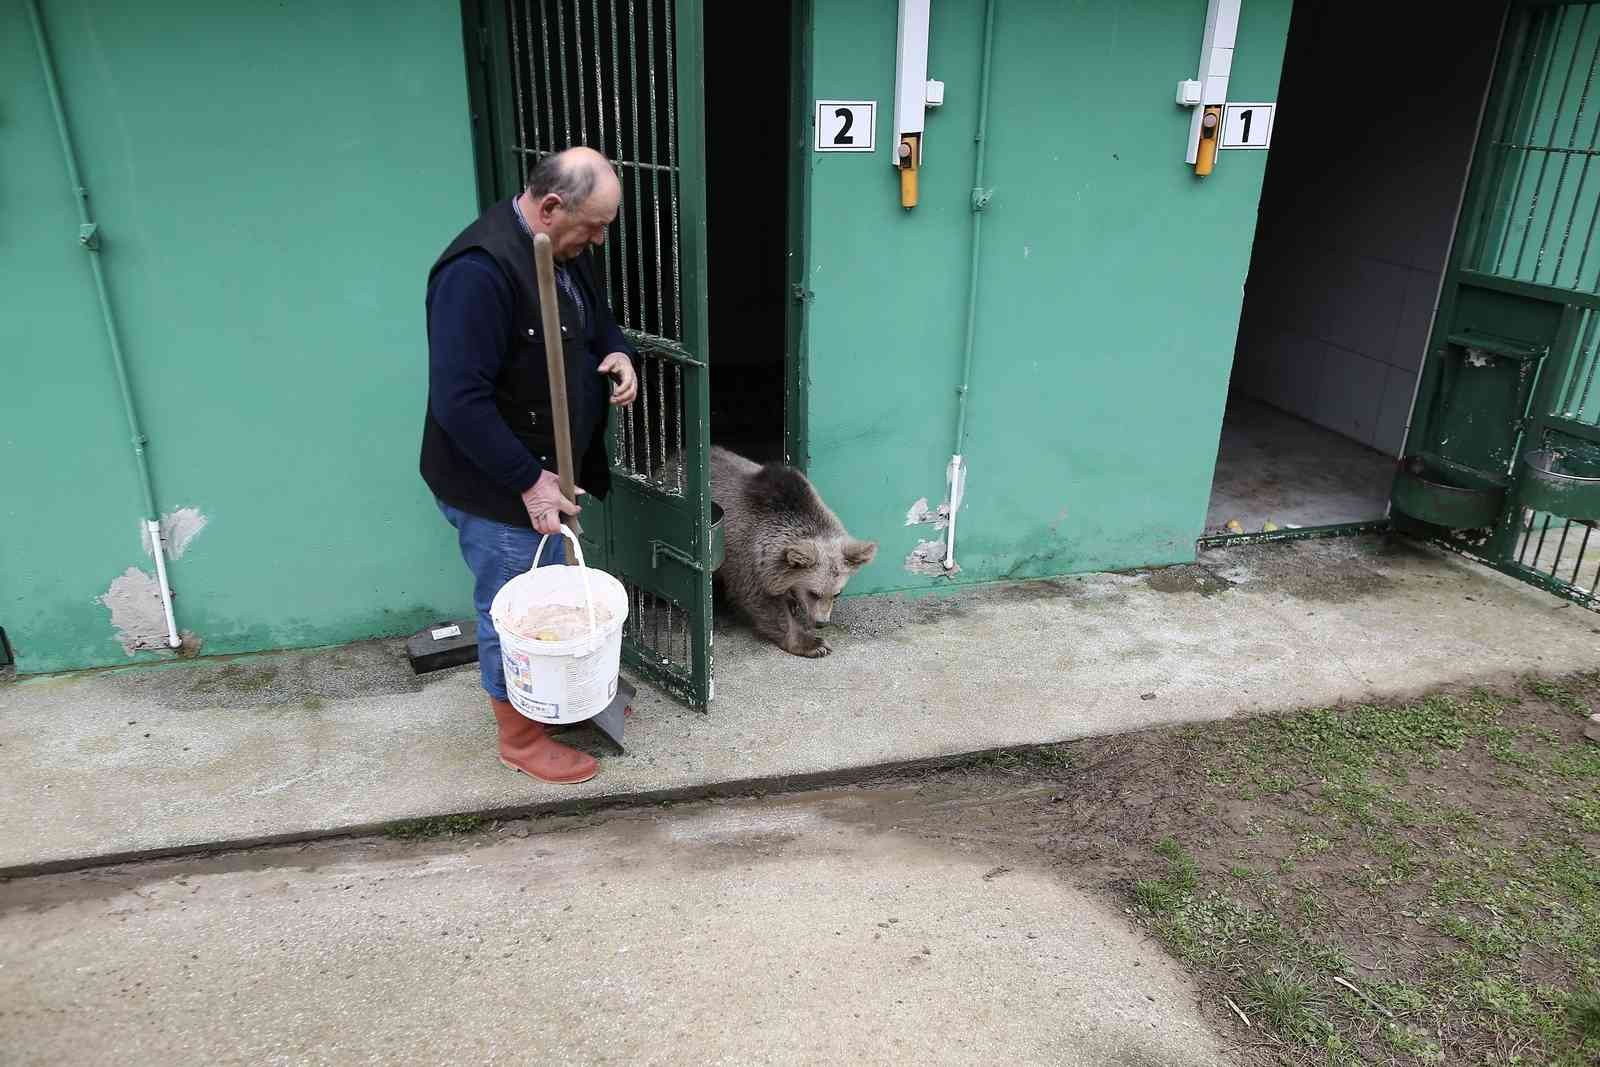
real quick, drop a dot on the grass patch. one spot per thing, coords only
(437, 826)
(1413, 883)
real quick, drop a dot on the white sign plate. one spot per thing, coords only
(1247, 125)
(846, 125)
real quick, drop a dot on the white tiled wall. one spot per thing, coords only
(1353, 234)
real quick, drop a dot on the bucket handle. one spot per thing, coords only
(588, 593)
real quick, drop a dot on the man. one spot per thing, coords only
(488, 443)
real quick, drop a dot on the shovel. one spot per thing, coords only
(556, 362)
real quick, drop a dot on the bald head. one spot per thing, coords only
(573, 175)
(572, 196)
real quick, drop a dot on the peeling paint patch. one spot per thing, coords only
(134, 600)
(178, 528)
(938, 517)
(928, 559)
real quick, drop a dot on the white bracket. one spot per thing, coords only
(1216, 64)
(911, 85)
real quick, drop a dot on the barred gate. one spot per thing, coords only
(625, 78)
(1503, 457)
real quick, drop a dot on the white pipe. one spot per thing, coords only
(157, 550)
(958, 484)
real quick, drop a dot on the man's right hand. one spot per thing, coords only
(546, 505)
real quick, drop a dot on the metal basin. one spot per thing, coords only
(1426, 492)
(1550, 483)
(719, 546)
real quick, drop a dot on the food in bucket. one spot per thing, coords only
(556, 622)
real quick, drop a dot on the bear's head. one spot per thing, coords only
(818, 571)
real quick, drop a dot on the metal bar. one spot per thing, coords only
(655, 155)
(644, 401)
(600, 121)
(1544, 163)
(577, 55)
(672, 173)
(566, 83)
(1561, 547)
(1528, 519)
(1585, 354)
(522, 111)
(1572, 140)
(544, 69)
(1307, 533)
(661, 418)
(1582, 549)
(1583, 174)
(1522, 166)
(1476, 219)
(621, 164)
(1582, 430)
(1530, 289)
(1543, 533)
(638, 190)
(677, 388)
(616, 133)
(1547, 149)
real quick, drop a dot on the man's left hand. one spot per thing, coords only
(624, 386)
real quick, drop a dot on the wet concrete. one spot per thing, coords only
(793, 930)
(294, 745)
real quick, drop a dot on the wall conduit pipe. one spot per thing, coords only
(957, 472)
(89, 238)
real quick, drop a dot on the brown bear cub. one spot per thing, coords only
(787, 555)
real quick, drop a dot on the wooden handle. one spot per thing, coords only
(555, 355)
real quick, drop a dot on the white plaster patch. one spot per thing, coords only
(928, 559)
(920, 513)
(178, 528)
(134, 600)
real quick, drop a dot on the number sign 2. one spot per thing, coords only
(1248, 125)
(846, 125)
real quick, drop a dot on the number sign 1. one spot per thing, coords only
(846, 125)
(1247, 125)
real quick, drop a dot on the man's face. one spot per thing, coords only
(573, 230)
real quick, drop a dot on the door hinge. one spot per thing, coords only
(801, 293)
(677, 555)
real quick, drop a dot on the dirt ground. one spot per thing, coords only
(1415, 883)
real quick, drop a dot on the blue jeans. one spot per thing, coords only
(495, 554)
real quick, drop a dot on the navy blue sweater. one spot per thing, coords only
(470, 313)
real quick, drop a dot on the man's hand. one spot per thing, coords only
(624, 386)
(546, 505)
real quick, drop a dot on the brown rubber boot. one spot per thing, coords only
(526, 746)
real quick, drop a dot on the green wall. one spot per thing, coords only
(1110, 294)
(273, 182)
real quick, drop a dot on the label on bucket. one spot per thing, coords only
(539, 709)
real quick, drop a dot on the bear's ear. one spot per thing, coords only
(859, 553)
(800, 555)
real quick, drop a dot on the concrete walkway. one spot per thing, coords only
(283, 746)
(797, 930)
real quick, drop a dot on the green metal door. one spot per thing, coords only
(1502, 461)
(626, 78)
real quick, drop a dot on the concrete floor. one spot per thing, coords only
(1273, 467)
(290, 745)
(795, 930)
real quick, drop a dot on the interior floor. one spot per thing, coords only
(1273, 467)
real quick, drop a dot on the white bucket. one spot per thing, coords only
(561, 681)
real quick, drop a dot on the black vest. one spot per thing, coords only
(522, 391)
